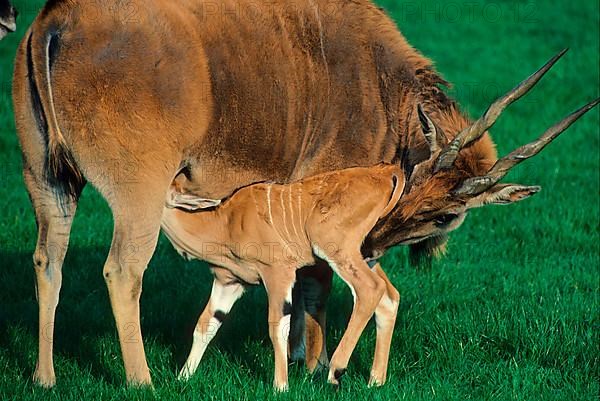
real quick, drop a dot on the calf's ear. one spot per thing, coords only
(503, 194)
(189, 202)
(398, 184)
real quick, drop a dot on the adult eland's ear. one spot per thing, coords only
(432, 132)
(503, 194)
(429, 129)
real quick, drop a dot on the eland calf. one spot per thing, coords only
(265, 232)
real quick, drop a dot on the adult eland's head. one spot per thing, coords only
(458, 176)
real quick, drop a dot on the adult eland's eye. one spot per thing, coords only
(445, 219)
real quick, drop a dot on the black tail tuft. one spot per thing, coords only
(60, 169)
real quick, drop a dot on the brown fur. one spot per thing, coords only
(224, 99)
(265, 232)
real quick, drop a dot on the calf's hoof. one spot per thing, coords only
(376, 381)
(45, 381)
(140, 380)
(281, 387)
(184, 374)
(335, 377)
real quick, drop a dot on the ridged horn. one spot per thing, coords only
(478, 185)
(448, 156)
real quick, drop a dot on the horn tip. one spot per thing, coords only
(557, 57)
(560, 54)
(589, 106)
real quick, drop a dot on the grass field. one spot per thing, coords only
(512, 312)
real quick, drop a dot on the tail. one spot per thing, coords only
(60, 168)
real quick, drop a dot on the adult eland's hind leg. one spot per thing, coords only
(313, 291)
(54, 199)
(54, 215)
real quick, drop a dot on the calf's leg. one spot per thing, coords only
(385, 319)
(225, 292)
(279, 289)
(367, 289)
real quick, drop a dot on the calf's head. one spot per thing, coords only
(458, 176)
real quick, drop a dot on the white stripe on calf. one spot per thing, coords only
(291, 205)
(269, 204)
(283, 218)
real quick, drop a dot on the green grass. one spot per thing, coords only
(510, 314)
